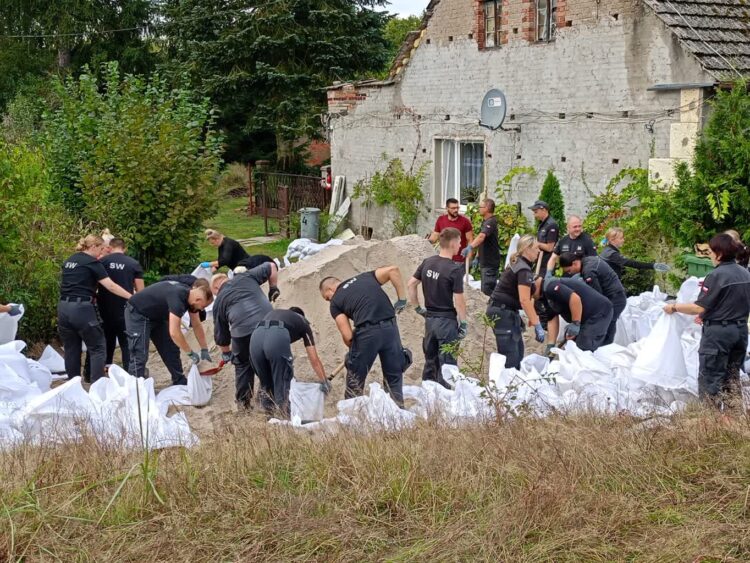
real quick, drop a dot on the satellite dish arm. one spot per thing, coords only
(500, 127)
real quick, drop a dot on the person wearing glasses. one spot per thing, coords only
(454, 220)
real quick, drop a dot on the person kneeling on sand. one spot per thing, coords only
(362, 301)
(271, 355)
(155, 314)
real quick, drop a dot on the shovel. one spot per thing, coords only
(337, 371)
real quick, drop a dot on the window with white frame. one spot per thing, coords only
(492, 21)
(459, 170)
(546, 19)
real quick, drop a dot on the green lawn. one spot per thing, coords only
(232, 221)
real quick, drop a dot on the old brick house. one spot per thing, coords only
(592, 86)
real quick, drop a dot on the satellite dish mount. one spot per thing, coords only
(492, 112)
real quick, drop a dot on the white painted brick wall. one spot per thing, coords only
(605, 68)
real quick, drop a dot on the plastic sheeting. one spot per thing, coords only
(303, 248)
(119, 409)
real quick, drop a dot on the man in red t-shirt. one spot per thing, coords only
(453, 219)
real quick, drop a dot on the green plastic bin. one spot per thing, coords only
(698, 266)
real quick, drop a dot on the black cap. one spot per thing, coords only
(539, 204)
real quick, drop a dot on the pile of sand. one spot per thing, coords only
(299, 286)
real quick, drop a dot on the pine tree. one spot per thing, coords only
(553, 196)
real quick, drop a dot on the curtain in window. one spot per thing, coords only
(448, 172)
(489, 23)
(542, 20)
(471, 172)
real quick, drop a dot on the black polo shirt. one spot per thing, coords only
(157, 301)
(548, 231)
(598, 274)
(123, 270)
(489, 250)
(558, 292)
(362, 300)
(441, 278)
(231, 253)
(581, 246)
(514, 276)
(81, 274)
(725, 293)
(297, 325)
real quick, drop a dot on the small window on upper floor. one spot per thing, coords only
(492, 20)
(546, 19)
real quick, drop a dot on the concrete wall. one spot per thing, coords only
(601, 63)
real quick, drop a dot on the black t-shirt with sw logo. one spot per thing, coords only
(123, 270)
(362, 300)
(441, 278)
(80, 276)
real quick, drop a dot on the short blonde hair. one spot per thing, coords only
(613, 232)
(89, 241)
(212, 234)
(217, 280)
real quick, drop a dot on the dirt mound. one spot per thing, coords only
(299, 286)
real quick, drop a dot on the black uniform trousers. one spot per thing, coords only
(372, 341)
(244, 374)
(489, 279)
(271, 355)
(720, 356)
(617, 308)
(113, 323)
(438, 331)
(140, 331)
(508, 328)
(594, 331)
(78, 321)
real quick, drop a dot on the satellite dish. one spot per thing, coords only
(492, 112)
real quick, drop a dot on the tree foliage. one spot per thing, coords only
(395, 32)
(266, 64)
(715, 195)
(36, 234)
(552, 194)
(137, 157)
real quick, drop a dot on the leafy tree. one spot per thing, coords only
(138, 157)
(716, 195)
(552, 194)
(266, 64)
(395, 32)
(36, 235)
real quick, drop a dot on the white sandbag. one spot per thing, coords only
(660, 360)
(52, 360)
(512, 247)
(199, 387)
(57, 415)
(39, 375)
(374, 411)
(307, 401)
(176, 395)
(9, 326)
(202, 273)
(12, 347)
(15, 389)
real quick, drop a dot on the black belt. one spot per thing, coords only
(497, 305)
(390, 321)
(279, 324)
(77, 299)
(737, 322)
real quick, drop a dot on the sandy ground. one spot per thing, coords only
(299, 286)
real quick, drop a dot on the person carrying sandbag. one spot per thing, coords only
(723, 306)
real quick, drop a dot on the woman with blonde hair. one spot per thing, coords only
(512, 293)
(611, 255)
(231, 253)
(77, 316)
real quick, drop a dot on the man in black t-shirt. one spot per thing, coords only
(271, 355)
(155, 314)
(587, 311)
(128, 274)
(445, 308)
(361, 300)
(576, 241)
(489, 247)
(547, 233)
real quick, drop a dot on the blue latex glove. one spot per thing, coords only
(194, 357)
(539, 332)
(572, 330)
(548, 275)
(661, 267)
(226, 357)
(205, 264)
(205, 355)
(15, 310)
(475, 263)
(466, 251)
(463, 330)
(400, 305)
(325, 387)
(421, 311)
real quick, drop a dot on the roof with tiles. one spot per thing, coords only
(716, 32)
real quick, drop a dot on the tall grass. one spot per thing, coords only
(584, 488)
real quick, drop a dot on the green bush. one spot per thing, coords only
(138, 157)
(37, 235)
(552, 194)
(715, 195)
